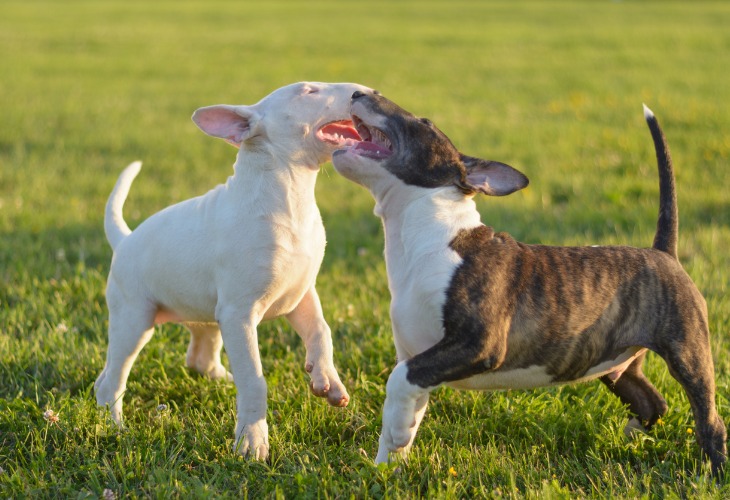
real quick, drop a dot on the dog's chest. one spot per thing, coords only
(295, 261)
(418, 290)
(420, 266)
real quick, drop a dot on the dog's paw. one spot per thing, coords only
(383, 456)
(327, 384)
(220, 373)
(253, 441)
(399, 431)
(403, 409)
(389, 446)
(106, 398)
(634, 428)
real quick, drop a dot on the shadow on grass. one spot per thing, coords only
(54, 252)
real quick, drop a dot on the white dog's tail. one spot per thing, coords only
(114, 226)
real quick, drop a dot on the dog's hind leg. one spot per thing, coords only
(691, 364)
(240, 337)
(204, 351)
(130, 328)
(635, 390)
(308, 320)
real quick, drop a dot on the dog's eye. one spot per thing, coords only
(310, 90)
(426, 121)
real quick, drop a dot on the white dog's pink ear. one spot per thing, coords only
(492, 177)
(235, 124)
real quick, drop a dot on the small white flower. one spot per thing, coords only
(51, 416)
(61, 327)
(108, 494)
(162, 407)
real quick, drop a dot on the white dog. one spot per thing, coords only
(247, 251)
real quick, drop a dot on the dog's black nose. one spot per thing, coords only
(357, 94)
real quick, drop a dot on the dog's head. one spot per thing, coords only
(397, 146)
(303, 122)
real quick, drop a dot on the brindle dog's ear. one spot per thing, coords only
(490, 177)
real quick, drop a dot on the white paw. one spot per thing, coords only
(399, 426)
(253, 441)
(220, 373)
(382, 457)
(400, 421)
(634, 428)
(388, 445)
(326, 383)
(105, 398)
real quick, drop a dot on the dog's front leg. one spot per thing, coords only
(241, 342)
(405, 406)
(308, 320)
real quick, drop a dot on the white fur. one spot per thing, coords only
(405, 405)
(537, 376)
(419, 264)
(648, 113)
(419, 224)
(246, 251)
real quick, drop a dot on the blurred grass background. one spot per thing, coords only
(553, 88)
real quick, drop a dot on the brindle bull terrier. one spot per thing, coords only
(475, 309)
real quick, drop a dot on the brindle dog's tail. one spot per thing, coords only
(667, 227)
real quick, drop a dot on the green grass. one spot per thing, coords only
(553, 88)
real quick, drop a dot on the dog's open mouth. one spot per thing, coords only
(374, 142)
(340, 133)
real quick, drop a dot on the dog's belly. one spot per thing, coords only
(264, 272)
(538, 376)
(273, 299)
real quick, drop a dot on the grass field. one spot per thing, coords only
(552, 88)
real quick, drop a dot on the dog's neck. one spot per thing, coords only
(421, 221)
(263, 182)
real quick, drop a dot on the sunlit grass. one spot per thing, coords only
(552, 88)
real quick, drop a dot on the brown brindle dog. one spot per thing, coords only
(475, 309)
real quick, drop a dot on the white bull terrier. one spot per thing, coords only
(247, 251)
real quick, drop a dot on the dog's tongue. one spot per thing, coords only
(339, 131)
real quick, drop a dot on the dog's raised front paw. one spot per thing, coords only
(326, 383)
(253, 441)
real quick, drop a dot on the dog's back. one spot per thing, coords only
(568, 309)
